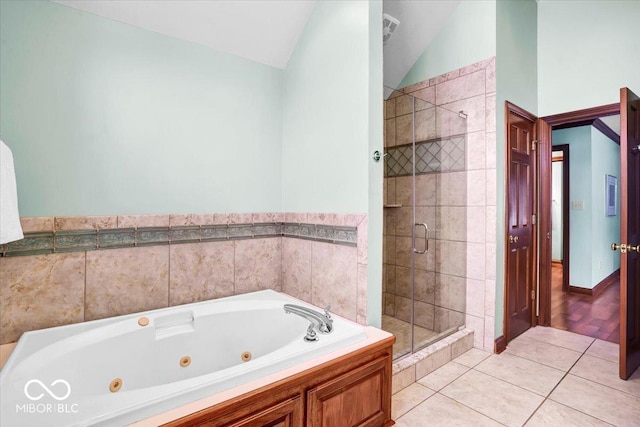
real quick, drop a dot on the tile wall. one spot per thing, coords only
(458, 276)
(52, 289)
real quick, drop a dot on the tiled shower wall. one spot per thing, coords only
(440, 152)
(40, 291)
(465, 204)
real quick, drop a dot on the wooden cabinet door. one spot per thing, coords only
(286, 414)
(289, 413)
(358, 398)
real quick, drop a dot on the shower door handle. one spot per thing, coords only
(426, 238)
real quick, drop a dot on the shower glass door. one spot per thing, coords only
(424, 285)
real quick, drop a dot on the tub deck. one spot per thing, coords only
(146, 381)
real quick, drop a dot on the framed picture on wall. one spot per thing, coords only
(611, 195)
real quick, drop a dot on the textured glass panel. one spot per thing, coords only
(25, 253)
(83, 240)
(291, 229)
(152, 236)
(214, 232)
(188, 234)
(119, 238)
(240, 231)
(302, 231)
(267, 230)
(325, 232)
(71, 241)
(41, 242)
(307, 230)
(336, 234)
(346, 234)
(338, 242)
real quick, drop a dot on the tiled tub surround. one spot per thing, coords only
(320, 258)
(464, 209)
(146, 359)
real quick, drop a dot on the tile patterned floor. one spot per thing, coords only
(546, 377)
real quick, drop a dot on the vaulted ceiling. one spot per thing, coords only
(420, 23)
(267, 31)
(263, 31)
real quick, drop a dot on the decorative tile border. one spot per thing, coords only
(438, 155)
(38, 243)
(340, 235)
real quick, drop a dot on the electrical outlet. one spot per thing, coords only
(577, 205)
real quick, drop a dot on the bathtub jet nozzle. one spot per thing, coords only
(322, 323)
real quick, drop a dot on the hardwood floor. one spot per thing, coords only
(597, 317)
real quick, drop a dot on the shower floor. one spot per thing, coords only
(402, 331)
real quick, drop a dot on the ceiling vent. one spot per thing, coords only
(389, 26)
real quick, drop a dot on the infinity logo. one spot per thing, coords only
(52, 394)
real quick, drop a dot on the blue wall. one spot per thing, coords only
(332, 121)
(592, 155)
(517, 82)
(469, 36)
(588, 50)
(580, 221)
(106, 118)
(605, 160)
(556, 211)
(326, 112)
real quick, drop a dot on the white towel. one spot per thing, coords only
(10, 228)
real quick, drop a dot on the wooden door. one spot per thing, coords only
(629, 233)
(520, 244)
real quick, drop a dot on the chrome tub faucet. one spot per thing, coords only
(323, 323)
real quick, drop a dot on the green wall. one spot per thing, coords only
(376, 117)
(106, 118)
(516, 81)
(580, 220)
(605, 160)
(592, 156)
(332, 119)
(469, 36)
(556, 210)
(326, 112)
(588, 50)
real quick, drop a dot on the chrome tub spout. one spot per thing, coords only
(322, 323)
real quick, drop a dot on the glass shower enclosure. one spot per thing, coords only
(425, 217)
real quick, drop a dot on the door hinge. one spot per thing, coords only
(533, 294)
(533, 219)
(533, 144)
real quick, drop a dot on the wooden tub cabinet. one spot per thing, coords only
(351, 390)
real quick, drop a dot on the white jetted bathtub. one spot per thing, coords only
(119, 370)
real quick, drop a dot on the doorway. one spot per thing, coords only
(560, 219)
(629, 230)
(578, 304)
(585, 283)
